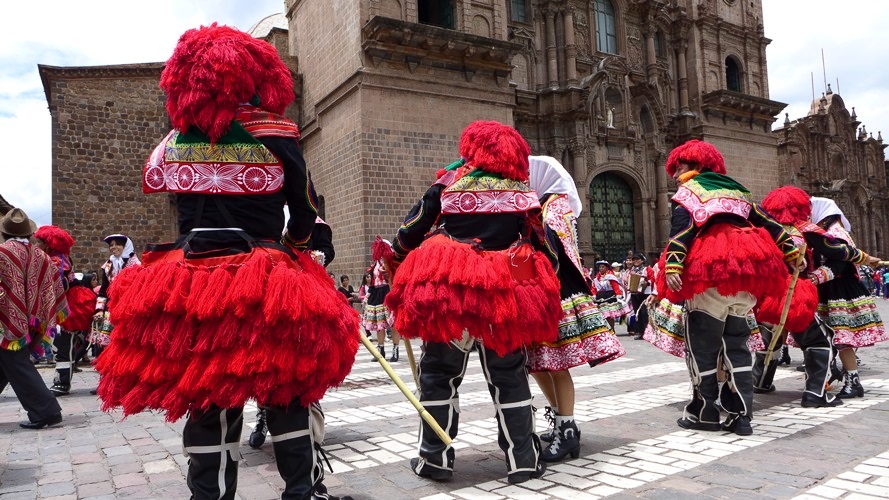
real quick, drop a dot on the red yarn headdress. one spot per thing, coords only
(57, 240)
(496, 148)
(698, 153)
(213, 70)
(788, 205)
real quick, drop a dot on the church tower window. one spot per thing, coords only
(518, 10)
(733, 75)
(436, 12)
(606, 29)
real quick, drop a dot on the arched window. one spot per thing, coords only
(732, 74)
(606, 28)
(436, 12)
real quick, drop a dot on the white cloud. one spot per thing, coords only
(852, 34)
(83, 33)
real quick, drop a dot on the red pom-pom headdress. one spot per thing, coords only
(496, 148)
(699, 154)
(213, 70)
(788, 205)
(57, 240)
(381, 249)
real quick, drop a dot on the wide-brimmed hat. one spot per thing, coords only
(17, 223)
(600, 262)
(116, 236)
(616, 264)
(639, 256)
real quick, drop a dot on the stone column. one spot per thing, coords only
(662, 200)
(683, 78)
(651, 67)
(552, 63)
(570, 47)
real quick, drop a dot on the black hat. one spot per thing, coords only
(638, 255)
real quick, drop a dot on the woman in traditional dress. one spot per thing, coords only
(585, 337)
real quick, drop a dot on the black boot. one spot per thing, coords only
(394, 357)
(565, 442)
(550, 415)
(257, 437)
(295, 433)
(210, 440)
(762, 379)
(852, 388)
(785, 356)
(703, 338)
(818, 361)
(382, 350)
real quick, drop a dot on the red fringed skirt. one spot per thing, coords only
(507, 299)
(803, 305)
(191, 333)
(731, 259)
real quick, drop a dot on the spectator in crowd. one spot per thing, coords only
(38, 300)
(346, 289)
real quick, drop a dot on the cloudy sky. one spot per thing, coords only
(852, 33)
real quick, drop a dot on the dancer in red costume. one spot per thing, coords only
(721, 258)
(228, 313)
(791, 206)
(57, 243)
(476, 278)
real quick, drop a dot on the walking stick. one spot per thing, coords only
(407, 392)
(409, 350)
(780, 328)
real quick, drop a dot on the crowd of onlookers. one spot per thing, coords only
(876, 280)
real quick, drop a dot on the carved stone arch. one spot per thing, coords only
(525, 37)
(481, 26)
(646, 96)
(392, 9)
(638, 182)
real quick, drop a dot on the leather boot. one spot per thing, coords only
(762, 379)
(852, 388)
(785, 356)
(382, 350)
(565, 442)
(394, 357)
(818, 361)
(441, 371)
(550, 415)
(257, 437)
(737, 393)
(298, 454)
(210, 439)
(704, 343)
(508, 384)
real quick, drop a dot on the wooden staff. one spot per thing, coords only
(780, 328)
(407, 392)
(409, 350)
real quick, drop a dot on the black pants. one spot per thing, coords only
(211, 440)
(64, 347)
(708, 341)
(22, 375)
(442, 368)
(637, 299)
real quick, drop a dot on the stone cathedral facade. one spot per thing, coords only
(607, 87)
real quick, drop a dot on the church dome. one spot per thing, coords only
(267, 24)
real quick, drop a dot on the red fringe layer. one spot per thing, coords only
(507, 298)
(803, 306)
(731, 259)
(188, 336)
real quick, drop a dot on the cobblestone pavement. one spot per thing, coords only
(627, 411)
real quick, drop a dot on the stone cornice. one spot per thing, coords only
(141, 70)
(396, 41)
(733, 105)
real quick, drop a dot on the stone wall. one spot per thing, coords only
(105, 122)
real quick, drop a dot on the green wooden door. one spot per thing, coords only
(611, 217)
